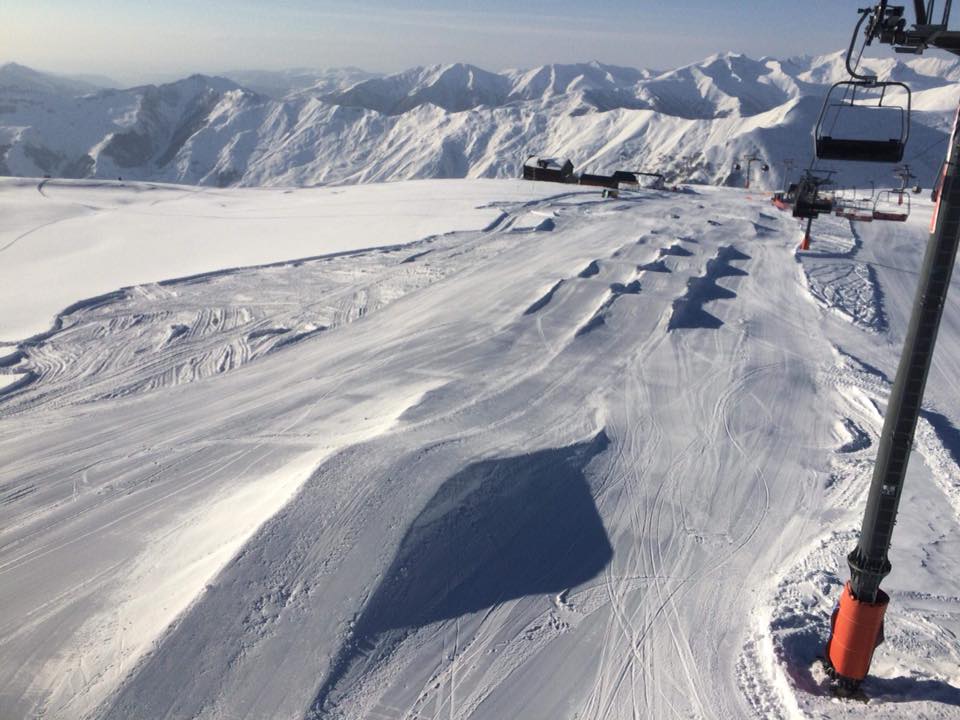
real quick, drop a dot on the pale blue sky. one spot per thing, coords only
(138, 40)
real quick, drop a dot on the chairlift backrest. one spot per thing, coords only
(893, 205)
(849, 143)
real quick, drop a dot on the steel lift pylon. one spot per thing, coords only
(857, 624)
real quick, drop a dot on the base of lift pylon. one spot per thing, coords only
(856, 630)
(804, 242)
(838, 687)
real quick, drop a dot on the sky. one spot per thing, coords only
(134, 41)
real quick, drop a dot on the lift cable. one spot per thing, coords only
(931, 146)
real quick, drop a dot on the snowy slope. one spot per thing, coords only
(454, 121)
(599, 459)
(124, 234)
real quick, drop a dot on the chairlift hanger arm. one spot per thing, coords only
(888, 26)
(886, 149)
(883, 20)
(868, 37)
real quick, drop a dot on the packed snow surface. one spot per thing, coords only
(556, 457)
(79, 239)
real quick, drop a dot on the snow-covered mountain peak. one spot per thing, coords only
(454, 88)
(723, 85)
(579, 87)
(451, 120)
(194, 85)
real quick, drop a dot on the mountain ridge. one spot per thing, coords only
(447, 120)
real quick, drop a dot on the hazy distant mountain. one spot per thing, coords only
(19, 78)
(97, 81)
(348, 126)
(279, 84)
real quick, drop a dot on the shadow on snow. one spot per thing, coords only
(498, 530)
(688, 311)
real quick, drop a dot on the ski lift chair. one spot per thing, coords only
(892, 205)
(857, 211)
(842, 196)
(842, 103)
(811, 205)
(863, 210)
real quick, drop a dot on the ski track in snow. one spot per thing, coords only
(600, 459)
(838, 281)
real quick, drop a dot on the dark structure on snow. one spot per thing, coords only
(638, 178)
(548, 169)
(553, 170)
(606, 181)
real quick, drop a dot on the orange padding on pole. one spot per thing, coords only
(805, 242)
(855, 632)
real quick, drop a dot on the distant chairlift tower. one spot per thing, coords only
(903, 173)
(857, 625)
(788, 166)
(749, 159)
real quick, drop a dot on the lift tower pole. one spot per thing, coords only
(750, 159)
(857, 624)
(787, 169)
(851, 646)
(905, 177)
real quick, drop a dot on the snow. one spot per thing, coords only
(588, 458)
(82, 239)
(8, 380)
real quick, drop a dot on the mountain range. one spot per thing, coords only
(343, 126)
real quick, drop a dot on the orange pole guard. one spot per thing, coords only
(856, 630)
(805, 242)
